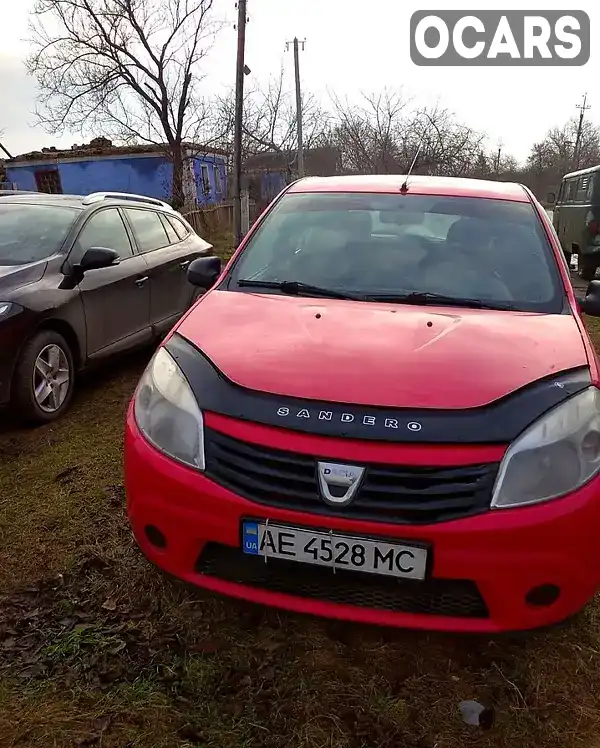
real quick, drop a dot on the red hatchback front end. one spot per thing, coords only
(424, 461)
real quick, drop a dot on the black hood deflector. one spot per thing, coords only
(498, 423)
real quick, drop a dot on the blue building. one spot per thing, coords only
(102, 167)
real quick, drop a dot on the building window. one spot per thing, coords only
(218, 181)
(48, 180)
(205, 180)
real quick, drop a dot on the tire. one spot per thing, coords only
(47, 354)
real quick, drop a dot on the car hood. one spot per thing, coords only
(386, 355)
(15, 276)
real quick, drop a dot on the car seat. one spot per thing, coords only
(464, 265)
(518, 256)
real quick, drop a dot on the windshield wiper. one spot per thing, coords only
(426, 297)
(295, 288)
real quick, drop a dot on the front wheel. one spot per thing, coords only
(44, 378)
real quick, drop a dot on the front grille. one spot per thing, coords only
(389, 493)
(441, 597)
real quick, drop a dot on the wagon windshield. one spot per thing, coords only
(29, 233)
(392, 244)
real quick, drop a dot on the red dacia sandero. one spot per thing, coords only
(385, 408)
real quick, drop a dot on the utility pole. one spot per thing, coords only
(239, 116)
(298, 102)
(2, 148)
(582, 109)
(500, 144)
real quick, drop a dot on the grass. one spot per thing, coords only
(97, 649)
(223, 243)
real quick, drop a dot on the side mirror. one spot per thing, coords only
(590, 304)
(204, 271)
(551, 198)
(98, 257)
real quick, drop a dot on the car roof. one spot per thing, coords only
(87, 201)
(581, 172)
(42, 198)
(417, 185)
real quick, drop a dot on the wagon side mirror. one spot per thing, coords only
(95, 258)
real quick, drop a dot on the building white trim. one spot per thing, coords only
(56, 160)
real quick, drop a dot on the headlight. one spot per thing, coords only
(167, 413)
(7, 308)
(556, 455)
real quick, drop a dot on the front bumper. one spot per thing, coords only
(501, 555)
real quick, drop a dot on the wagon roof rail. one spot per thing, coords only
(95, 197)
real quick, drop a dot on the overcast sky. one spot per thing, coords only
(351, 45)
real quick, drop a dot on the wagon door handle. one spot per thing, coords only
(140, 282)
(185, 265)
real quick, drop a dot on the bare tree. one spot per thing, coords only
(368, 134)
(556, 152)
(3, 149)
(381, 135)
(127, 68)
(449, 147)
(269, 120)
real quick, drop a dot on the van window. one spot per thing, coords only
(582, 188)
(590, 189)
(572, 183)
(561, 192)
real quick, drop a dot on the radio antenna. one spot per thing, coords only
(404, 187)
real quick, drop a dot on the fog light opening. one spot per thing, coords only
(155, 536)
(543, 595)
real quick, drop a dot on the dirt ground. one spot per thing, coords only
(98, 649)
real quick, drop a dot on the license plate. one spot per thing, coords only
(336, 551)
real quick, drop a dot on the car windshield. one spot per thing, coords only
(30, 232)
(392, 245)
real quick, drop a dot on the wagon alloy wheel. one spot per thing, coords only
(51, 378)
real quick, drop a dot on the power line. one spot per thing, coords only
(295, 44)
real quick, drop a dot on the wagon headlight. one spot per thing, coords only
(9, 309)
(167, 413)
(556, 455)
